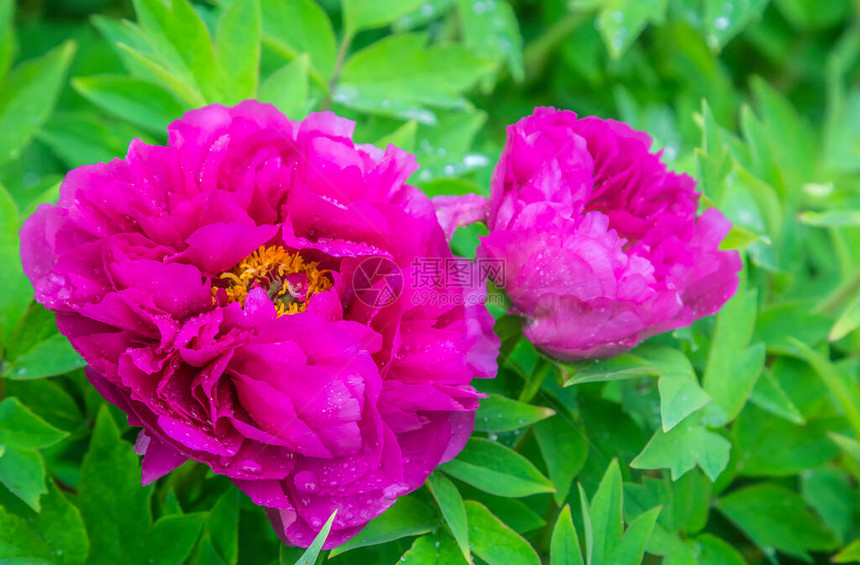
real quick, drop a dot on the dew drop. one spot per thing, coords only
(250, 467)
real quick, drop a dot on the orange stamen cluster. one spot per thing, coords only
(270, 269)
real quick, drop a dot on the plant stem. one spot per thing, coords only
(843, 293)
(535, 380)
(338, 67)
(537, 53)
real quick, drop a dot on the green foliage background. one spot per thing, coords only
(734, 441)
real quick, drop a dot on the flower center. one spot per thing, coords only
(287, 278)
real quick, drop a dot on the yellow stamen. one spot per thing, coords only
(268, 267)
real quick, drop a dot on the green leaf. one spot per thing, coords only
(688, 444)
(765, 197)
(501, 414)
(20, 428)
(114, 506)
(62, 527)
(403, 137)
(367, 14)
(772, 446)
(172, 538)
(494, 542)
(796, 149)
(180, 88)
(206, 553)
(433, 549)
(153, 31)
(587, 527)
(400, 75)
(287, 88)
(491, 30)
(53, 356)
(631, 365)
(621, 21)
(496, 469)
(292, 27)
(715, 551)
(776, 518)
(713, 161)
(23, 473)
(18, 540)
(831, 219)
(843, 386)
(121, 35)
(83, 138)
(237, 50)
(763, 155)
(116, 509)
(183, 43)
(408, 517)
(632, 546)
(847, 322)
(48, 192)
(725, 19)
(512, 511)
(564, 545)
(776, 326)
(848, 445)
(444, 150)
(680, 392)
(28, 97)
(652, 493)
(851, 553)
(453, 510)
(449, 186)
(7, 35)
(811, 15)
(56, 534)
(171, 504)
(741, 238)
(732, 370)
(142, 103)
(606, 514)
(223, 526)
(769, 395)
(828, 491)
(17, 291)
(564, 448)
(693, 493)
(50, 401)
(840, 139)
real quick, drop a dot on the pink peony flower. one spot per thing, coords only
(209, 285)
(601, 244)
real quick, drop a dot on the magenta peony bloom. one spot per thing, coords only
(602, 246)
(209, 284)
